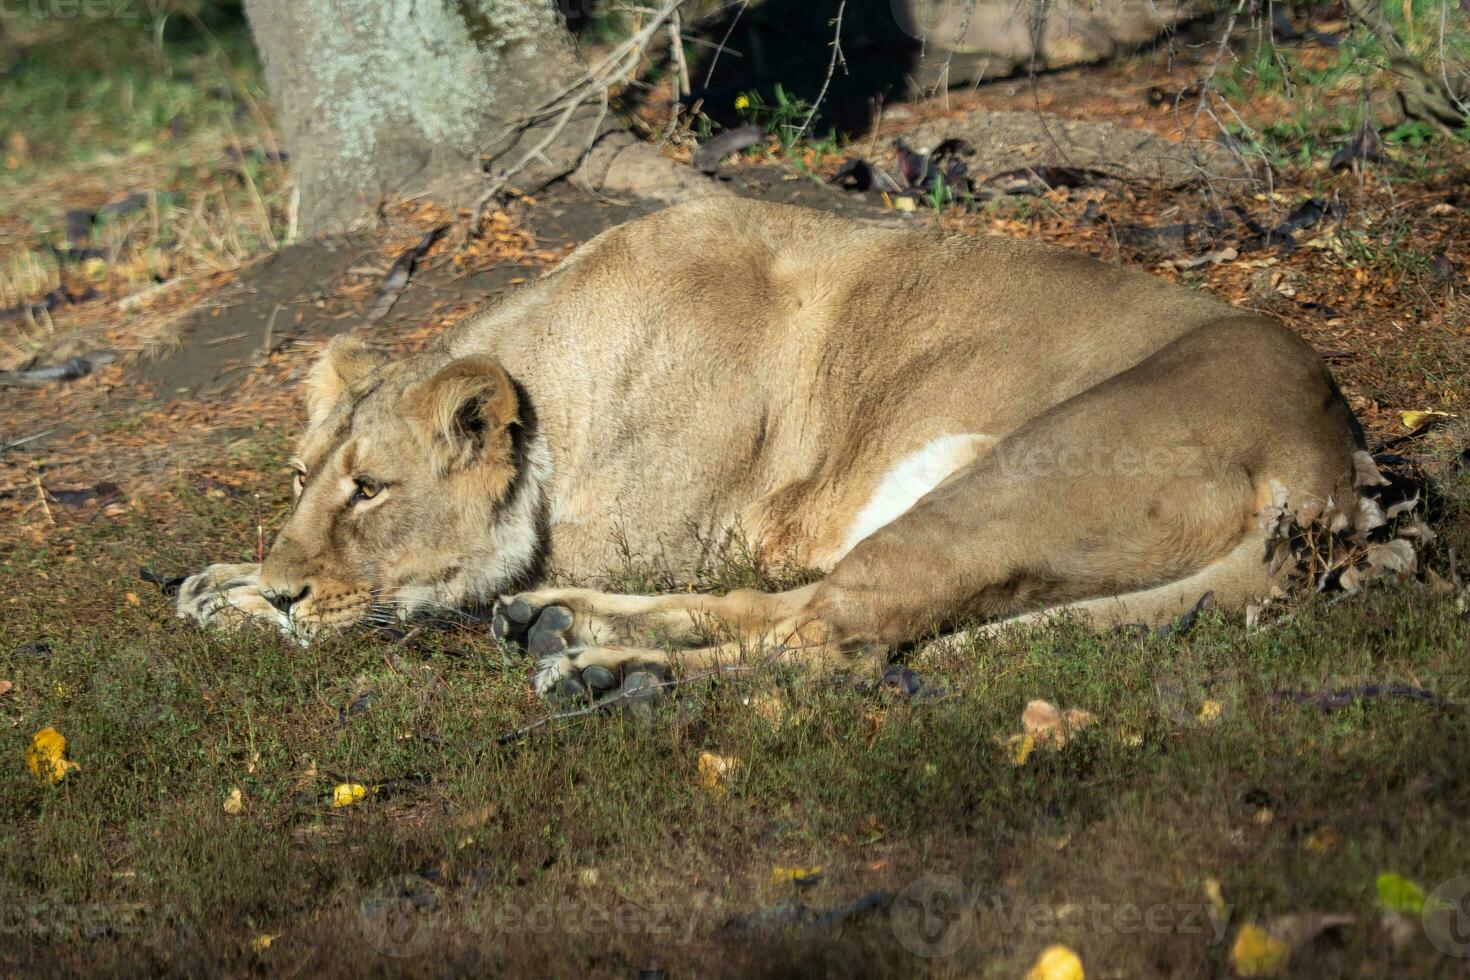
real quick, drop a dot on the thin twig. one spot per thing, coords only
(676, 48)
(618, 67)
(831, 69)
(720, 48)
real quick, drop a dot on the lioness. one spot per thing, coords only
(952, 428)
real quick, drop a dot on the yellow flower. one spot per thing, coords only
(742, 102)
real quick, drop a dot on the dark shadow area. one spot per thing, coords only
(789, 42)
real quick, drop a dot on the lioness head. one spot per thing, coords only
(410, 489)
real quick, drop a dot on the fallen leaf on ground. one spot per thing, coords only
(5, 687)
(796, 875)
(262, 942)
(1019, 747)
(1056, 963)
(234, 804)
(715, 770)
(1257, 953)
(1416, 419)
(1398, 894)
(46, 756)
(768, 707)
(1049, 725)
(1263, 951)
(1209, 711)
(346, 794)
(1321, 840)
(1213, 893)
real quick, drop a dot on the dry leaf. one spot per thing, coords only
(346, 794)
(1020, 747)
(1049, 726)
(262, 942)
(1209, 712)
(234, 804)
(716, 770)
(1264, 951)
(5, 688)
(796, 875)
(1257, 953)
(1414, 420)
(1214, 894)
(1321, 840)
(46, 756)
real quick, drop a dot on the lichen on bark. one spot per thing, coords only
(384, 97)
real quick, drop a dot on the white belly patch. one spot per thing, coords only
(912, 477)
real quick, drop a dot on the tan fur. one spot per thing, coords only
(1092, 438)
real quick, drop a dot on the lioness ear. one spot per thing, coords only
(466, 408)
(346, 361)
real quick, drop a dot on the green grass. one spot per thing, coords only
(608, 812)
(82, 88)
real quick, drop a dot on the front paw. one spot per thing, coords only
(601, 674)
(540, 630)
(226, 598)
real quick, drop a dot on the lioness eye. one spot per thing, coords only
(367, 489)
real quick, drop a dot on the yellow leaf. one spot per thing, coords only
(1050, 726)
(234, 804)
(1415, 420)
(262, 942)
(715, 770)
(1321, 840)
(46, 756)
(768, 707)
(1020, 747)
(1056, 963)
(346, 794)
(1209, 711)
(1213, 893)
(133, 599)
(1257, 953)
(797, 875)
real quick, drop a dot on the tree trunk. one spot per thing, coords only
(385, 98)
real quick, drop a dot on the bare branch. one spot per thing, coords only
(831, 69)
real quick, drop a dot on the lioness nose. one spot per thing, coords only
(283, 601)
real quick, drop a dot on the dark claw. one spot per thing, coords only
(641, 684)
(910, 684)
(547, 636)
(571, 690)
(599, 679)
(511, 621)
